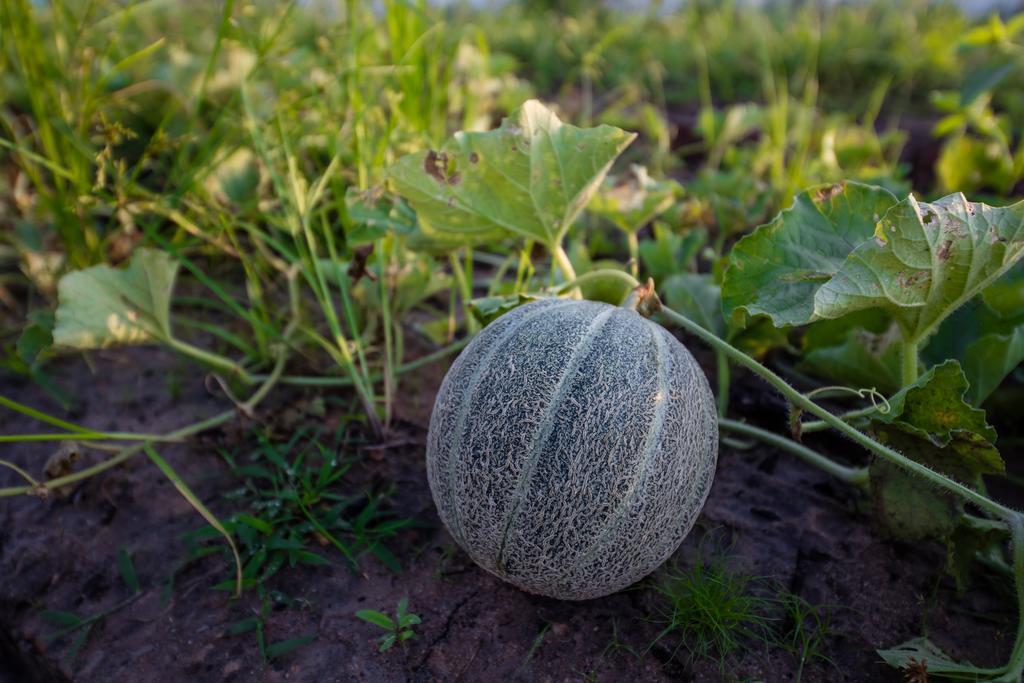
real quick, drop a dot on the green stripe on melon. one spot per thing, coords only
(571, 447)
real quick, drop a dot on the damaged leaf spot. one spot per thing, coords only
(824, 194)
(357, 267)
(912, 280)
(434, 163)
(61, 463)
(441, 168)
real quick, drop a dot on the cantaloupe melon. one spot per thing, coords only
(571, 447)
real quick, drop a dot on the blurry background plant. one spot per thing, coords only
(249, 141)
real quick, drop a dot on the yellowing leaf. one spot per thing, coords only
(531, 177)
(103, 306)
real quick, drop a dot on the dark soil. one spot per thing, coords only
(782, 520)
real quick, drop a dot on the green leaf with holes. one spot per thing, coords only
(103, 306)
(531, 178)
(850, 247)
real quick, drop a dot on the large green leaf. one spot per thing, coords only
(851, 247)
(930, 422)
(778, 269)
(103, 306)
(531, 177)
(633, 199)
(926, 260)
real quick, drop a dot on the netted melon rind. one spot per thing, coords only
(571, 447)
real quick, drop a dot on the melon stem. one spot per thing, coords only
(857, 476)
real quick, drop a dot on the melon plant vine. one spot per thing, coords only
(844, 253)
(880, 278)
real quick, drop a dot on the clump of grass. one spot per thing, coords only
(710, 610)
(293, 502)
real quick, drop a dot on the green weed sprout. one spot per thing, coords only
(398, 629)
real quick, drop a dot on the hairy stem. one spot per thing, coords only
(176, 435)
(89, 436)
(857, 476)
(121, 456)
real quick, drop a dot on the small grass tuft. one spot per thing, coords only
(710, 610)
